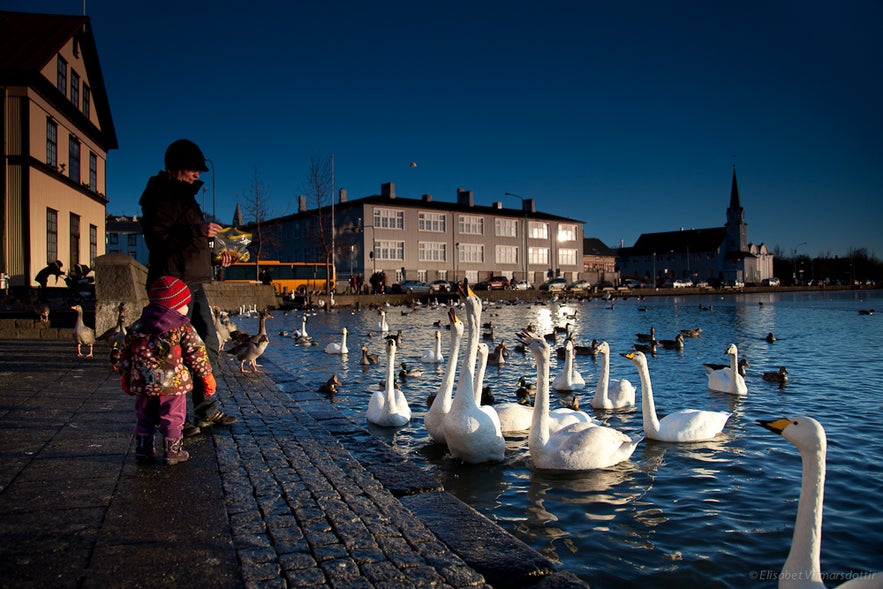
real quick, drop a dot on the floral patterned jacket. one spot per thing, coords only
(162, 354)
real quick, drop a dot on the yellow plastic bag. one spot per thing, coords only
(231, 239)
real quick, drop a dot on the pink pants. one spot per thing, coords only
(166, 413)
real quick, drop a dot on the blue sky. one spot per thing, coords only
(625, 115)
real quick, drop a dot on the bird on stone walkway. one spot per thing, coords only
(83, 335)
(249, 351)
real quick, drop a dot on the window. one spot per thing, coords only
(51, 145)
(389, 250)
(435, 222)
(75, 240)
(93, 172)
(538, 230)
(566, 257)
(61, 84)
(73, 158)
(471, 252)
(113, 238)
(431, 252)
(539, 256)
(469, 225)
(93, 244)
(389, 219)
(75, 88)
(506, 228)
(507, 254)
(51, 235)
(421, 275)
(87, 100)
(566, 232)
(132, 239)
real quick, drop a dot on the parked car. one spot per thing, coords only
(580, 285)
(493, 283)
(633, 283)
(411, 287)
(682, 284)
(554, 285)
(521, 285)
(734, 283)
(771, 281)
(441, 286)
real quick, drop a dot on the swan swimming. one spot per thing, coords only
(611, 394)
(687, 425)
(435, 417)
(389, 407)
(728, 380)
(570, 379)
(434, 356)
(338, 347)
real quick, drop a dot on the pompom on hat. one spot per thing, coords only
(183, 154)
(170, 292)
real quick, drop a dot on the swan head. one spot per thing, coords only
(732, 350)
(603, 348)
(390, 347)
(437, 335)
(537, 344)
(804, 432)
(636, 358)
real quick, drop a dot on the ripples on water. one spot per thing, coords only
(717, 514)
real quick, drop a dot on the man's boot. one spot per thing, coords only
(144, 451)
(175, 451)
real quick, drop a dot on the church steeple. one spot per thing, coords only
(737, 229)
(735, 204)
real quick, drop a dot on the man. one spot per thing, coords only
(177, 238)
(42, 278)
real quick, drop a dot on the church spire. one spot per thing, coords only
(735, 203)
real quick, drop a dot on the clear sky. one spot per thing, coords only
(625, 115)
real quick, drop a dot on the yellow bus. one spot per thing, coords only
(286, 277)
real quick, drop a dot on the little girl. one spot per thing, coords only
(160, 358)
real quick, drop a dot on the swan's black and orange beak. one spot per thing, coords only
(628, 355)
(774, 425)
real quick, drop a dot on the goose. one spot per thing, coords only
(434, 356)
(438, 410)
(367, 358)
(330, 386)
(570, 379)
(673, 344)
(498, 358)
(240, 337)
(780, 376)
(645, 348)
(687, 425)
(406, 372)
(692, 332)
(728, 380)
(382, 325)
(647, 337)
(248, 352)
(611, 394)
(803, 562)
(389, 407)
(338, 347)
(83, 335)
(221, 328)
(116, 335)
(580, 446)
(472, 432)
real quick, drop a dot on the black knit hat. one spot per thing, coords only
(183, 154)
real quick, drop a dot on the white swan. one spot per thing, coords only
(435, 417)
(687, 425)
(581, 446)
(803, 567)
(389, 407)
(472, 432)
(728, 380)
(382, 325)
(338, 348)
(569, 379)
(611, 394)
(434, 356)
(481, 362)
(302, 335)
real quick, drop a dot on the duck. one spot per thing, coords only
(866, 311)
(389, 407)
(406, 372)
(498, 358)
(742, 367)
(434, 356)
(42, 311)
(611, 394)
(397, 337)
(673, 344)
(692, 332)
(331, 385)
(472, 432)
(780, 376)
(647, 337)
(116, 335)
(248, 352)
(441, 405)
(770, 337)
(382, 325)
(525, 389)
(367, 358)
(83, 335)
(580, 446)
(803, 562)
(728, 379)
(569, 379)
(686, 425)
(645, 348)
(338, 347)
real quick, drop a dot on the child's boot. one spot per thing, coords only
(175, 451)
(144, 451)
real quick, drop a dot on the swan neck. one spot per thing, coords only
(539, 425)
(390, 380)
(648, 407)
(804, 559)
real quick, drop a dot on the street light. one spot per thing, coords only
(523, 232)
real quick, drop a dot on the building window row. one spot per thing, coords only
(471, 253)
(507, 254)
(432, 252)
(389, 218)
(75, 86)
(389, 250)
(434, 222)
(470, 225)
(505, 228)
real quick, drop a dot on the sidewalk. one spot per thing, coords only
(293, 495)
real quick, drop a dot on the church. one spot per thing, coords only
(716, 255)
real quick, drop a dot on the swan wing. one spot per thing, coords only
(691, 425)
(514, 417)
(584, 446)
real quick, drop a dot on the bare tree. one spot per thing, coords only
(257, 210)
(319, 186)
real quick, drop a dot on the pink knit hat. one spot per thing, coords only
(169, 292)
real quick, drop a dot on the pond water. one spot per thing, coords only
(714, 514)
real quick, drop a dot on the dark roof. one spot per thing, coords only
(695, 240)
(595, 247)
(30, 41)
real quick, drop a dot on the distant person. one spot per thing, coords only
(42, 278)
(177, 238)
(161, 359)
(264, 276)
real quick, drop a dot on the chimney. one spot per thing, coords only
(342, 194)
(301, 204)
(388, 190)
(464, 198)
(497, 205)
(529, 205)
(427, 198)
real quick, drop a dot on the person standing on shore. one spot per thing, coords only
(177, 238)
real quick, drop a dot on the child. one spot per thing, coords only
(161, 357)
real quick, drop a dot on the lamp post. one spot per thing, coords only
(796, 257)
(212, 166)
(654, 271)
(523, 232)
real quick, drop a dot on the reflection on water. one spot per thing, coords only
(708, 513)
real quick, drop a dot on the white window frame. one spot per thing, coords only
(567, 256)
(539, 256)
(385, 249)
(506, 254)
(432, 222)
(432, 251)
(389, 218)
(538, 230)
(471, 253)
(566, 232)
(505, 227)
(470, 225)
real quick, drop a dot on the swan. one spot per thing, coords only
(389, 407)
(434, 356)
(803, 565)
(687, 425)
(472, 432)
(569, 379)
(728, 380)
(382, 325)
(302, 336)
(338, 348)
(434, 419)
(611, 394)
(580, 446)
